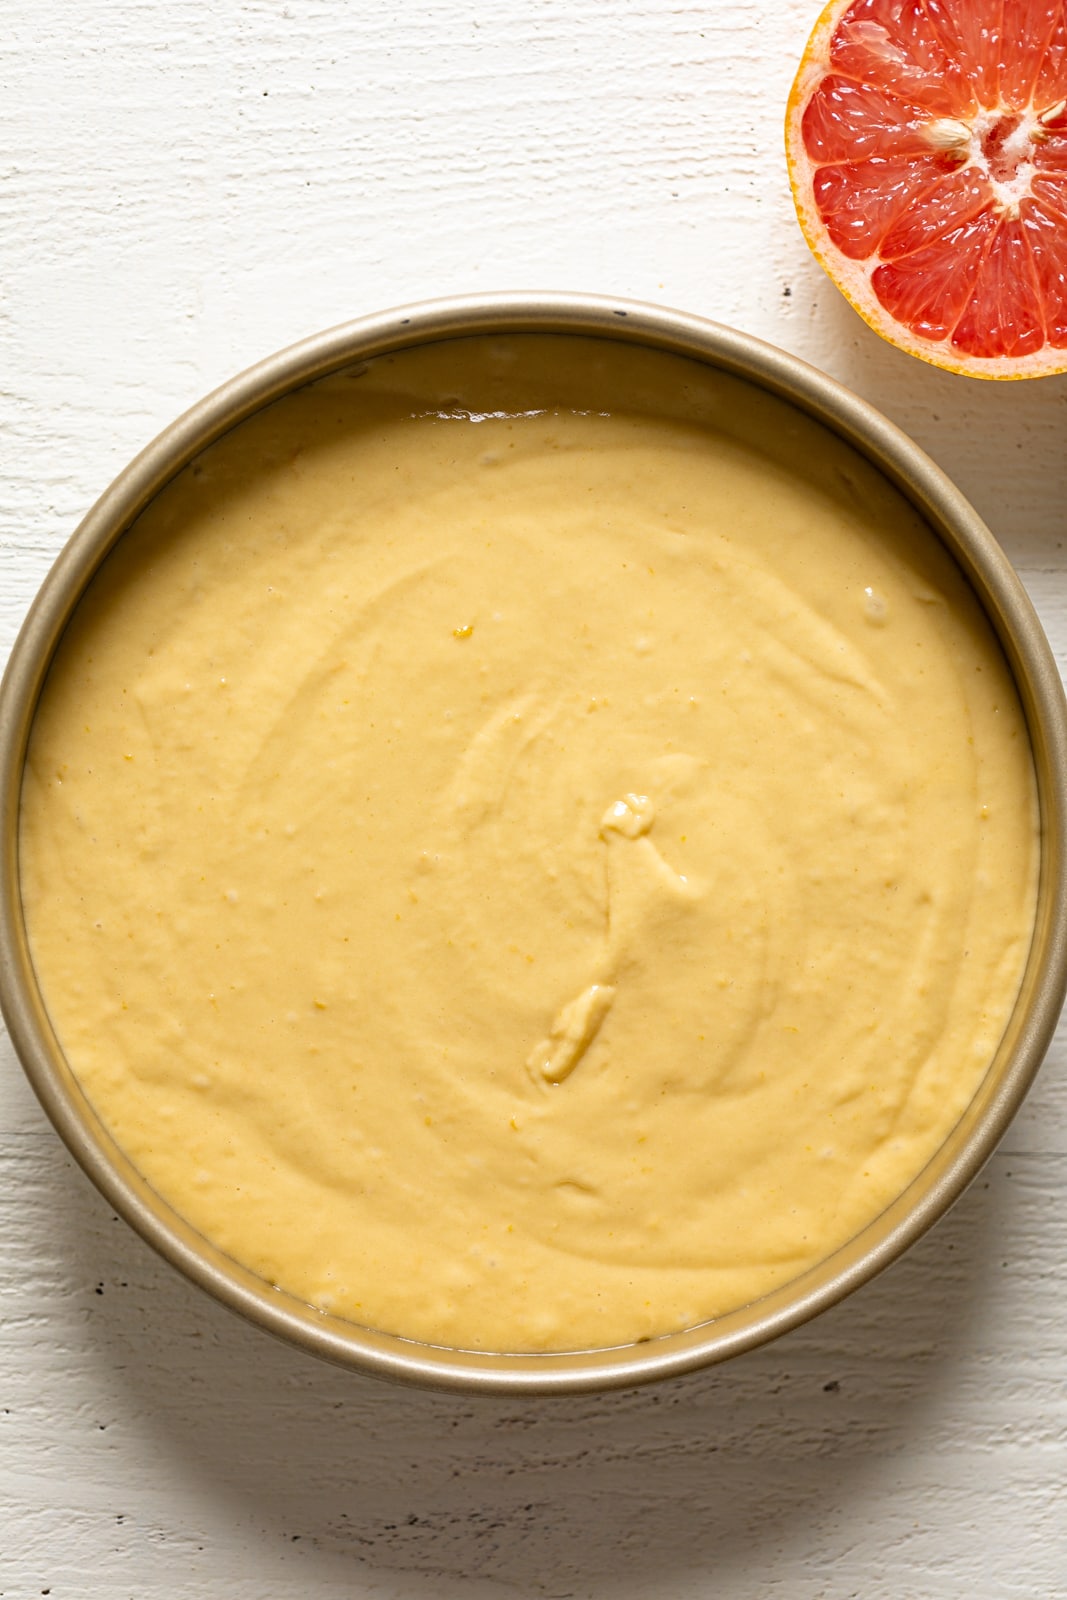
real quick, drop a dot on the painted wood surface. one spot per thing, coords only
(185, 187)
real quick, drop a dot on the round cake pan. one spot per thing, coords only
(1030, 1028)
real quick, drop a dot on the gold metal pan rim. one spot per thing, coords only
(1044, 983)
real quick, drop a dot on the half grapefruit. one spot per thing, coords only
(927, 148)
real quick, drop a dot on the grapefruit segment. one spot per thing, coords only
(928, 290)
(1033, 24)
(1052, 189)
(846, 121)
(860, 201)
(972, 31)
(1051, 154)
(880, 41)
(1003, 317)
(956, 200)
(1048, 250)
(1051, 84)
(927, 146)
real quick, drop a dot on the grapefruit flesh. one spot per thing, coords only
(927, 146)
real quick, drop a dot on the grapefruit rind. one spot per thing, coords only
(853, 278)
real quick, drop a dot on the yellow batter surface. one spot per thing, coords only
(529, 844)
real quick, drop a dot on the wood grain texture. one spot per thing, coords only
(184, 188)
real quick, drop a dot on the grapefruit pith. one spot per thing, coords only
(927, 148)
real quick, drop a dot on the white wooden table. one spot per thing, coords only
(185, 186)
